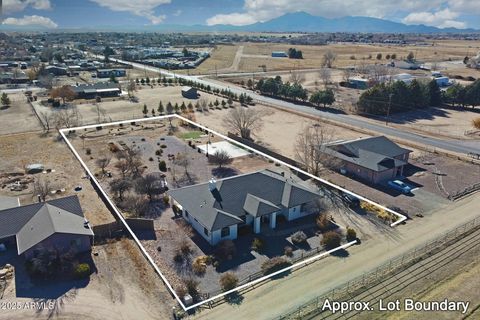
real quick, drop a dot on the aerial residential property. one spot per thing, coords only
(217, 209)
(211, 160)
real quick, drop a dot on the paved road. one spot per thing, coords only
(449, 145)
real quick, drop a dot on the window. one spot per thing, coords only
(205, 230)
(225, 232)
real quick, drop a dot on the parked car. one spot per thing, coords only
(350, 200)
(400, 186)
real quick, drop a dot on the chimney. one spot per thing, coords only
(212, 184)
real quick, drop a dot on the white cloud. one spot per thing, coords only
(142, 8)
(263, 10)
(31, 21)
(10, 6)
(444, 19)
(177, 13)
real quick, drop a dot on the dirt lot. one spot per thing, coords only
(20, 150)
(256, 54)
(451, 123)
(19, 117)
(280, 140)
(124, 286)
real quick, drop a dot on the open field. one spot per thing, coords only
(20, 150)
(257, 54)
(19, 117)
(450, 123)
(123, 286)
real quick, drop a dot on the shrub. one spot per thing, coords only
(274, 264)
(181, 291)
(162, 166)
(150, 159)
(163, 146)
(299, 237)
(199, 265)
(158, 152)
(191, 286)
(82, 271)
(185, 248)
(228, 281)
(323, 223)
(88, 151)
(113, 148)
(351, 235)
(166, 200)
(226, 250)
(178, 256)
(288, 251)
(257, 245)
(331, 240)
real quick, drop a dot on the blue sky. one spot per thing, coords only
(96, 13)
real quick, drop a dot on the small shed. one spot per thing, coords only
(189, 93)
(34, 168)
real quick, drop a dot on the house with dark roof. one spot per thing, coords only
(56, 224)
(217, 209)
(374, 159)
(99, 89)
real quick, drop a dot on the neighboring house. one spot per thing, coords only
(375, 159)
(189, 93)
(359, 83)
(107, 73)
(56, 225)
(8, 202)
(217, 209)
(56, 71)
(407, 65)
(101, 89)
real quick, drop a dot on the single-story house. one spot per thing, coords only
(218, 209)
(101, 89)
(107, 73)
(189, 93)
(55, 225)
(373, 159)
(358, 83)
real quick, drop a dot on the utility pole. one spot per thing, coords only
(389, 107)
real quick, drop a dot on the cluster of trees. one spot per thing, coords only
(295, 54)
(294, 91)
(276, 87)
(397, 96)
(463, 95)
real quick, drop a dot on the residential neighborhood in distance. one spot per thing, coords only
(239, 160)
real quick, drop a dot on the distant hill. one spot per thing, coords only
(304, 22)
(291, 22)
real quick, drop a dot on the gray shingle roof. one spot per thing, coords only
(375, 153)
(34, 223)
(257, 194)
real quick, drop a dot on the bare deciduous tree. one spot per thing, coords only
(243, 121)
(135, 205)
(120, 186)
(329, 58)
(297, 77)
(379, 73)
(65, 93)
(67, 118)
(325, 75)
(347, 73)
(42, 188)
(47, 119)
(181, 159)
(220, 158)
(310, 148)
(150, 185)
(122, 166)
(102, 162)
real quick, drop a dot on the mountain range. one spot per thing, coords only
(291, 22)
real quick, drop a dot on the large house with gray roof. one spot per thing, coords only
(373, 159)
(56, 224)
(217, 209)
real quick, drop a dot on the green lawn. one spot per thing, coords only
(191, 135)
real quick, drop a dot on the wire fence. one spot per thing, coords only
(367, 280)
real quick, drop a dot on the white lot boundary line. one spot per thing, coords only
(145, 253)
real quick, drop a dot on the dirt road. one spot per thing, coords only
(279, 296)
